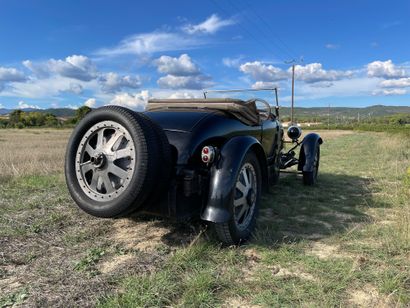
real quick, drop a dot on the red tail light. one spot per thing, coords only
(208, 154)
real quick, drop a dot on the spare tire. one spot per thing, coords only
(112, 160)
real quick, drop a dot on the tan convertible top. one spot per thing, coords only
(243, 111)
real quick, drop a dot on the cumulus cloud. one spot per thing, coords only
(211, 25)
(135, 101)
(396, 83)
(185, 82)
(146, 43)
(91, 102)
(23, 105)
(314, 72)
(182, 95)
(9, 74)
(182, 66)
(262, 72)
(76, 67)
(264, 85)
(112, 82)
(389, 92)
(385, 69)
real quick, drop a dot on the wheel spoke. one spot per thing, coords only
(117, 171)
(107, 183)
(89, 150)
(94, 181)
(122, 153)
(85, 167)
(242, 211)
(113, 140)
(100, 139)
(239, 201)
(245, 177)
(241, 187)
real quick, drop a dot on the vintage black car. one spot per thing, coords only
(185, 158)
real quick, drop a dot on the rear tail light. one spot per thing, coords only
(208, 154)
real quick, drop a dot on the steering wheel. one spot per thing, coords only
(264, 112)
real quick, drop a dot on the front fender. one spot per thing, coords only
(308, 151)
(223, 176)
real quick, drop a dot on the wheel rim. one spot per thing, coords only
(246, 190)
(105, 161)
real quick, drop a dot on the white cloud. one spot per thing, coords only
(112, 82)
(23, 105)
(232, 62)
(182, 95)
(9, 74)
(264, 84)
(396, 83)
(314, 72)
(389, 92)
(135, 101)
(185, 82)
(75, 88)
(385, 69)
(211, 25)
(263, 72)
(76, 67)
(332, 46)
(91, 102)
(147, 43)
(182, 66)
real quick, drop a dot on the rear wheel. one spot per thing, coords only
(310, 177)
(244, 203)
(110, 162)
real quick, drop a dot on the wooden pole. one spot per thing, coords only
(293, 94)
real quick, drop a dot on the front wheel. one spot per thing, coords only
(244, 203)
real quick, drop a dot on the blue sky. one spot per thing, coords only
(71, 53)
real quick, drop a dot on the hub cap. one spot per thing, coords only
(105, 161)
(245, 196)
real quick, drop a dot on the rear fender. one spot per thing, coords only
(308, 152)
(224, 173)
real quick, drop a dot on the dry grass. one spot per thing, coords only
(344, 242)
(31, 151)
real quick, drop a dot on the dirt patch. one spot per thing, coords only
(115, 263)
(327, 251)
(367, 297)
(238, 303)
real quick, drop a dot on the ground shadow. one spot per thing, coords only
(291, 211)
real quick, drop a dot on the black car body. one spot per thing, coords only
(210, 157)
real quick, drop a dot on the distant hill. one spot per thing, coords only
(349, 112)
(58, 112)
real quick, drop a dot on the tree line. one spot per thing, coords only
(21, 119)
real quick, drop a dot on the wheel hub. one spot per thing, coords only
(99, 161)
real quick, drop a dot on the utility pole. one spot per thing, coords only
(328, 117)
(293, 94)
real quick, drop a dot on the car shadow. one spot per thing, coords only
(293, 211)
(290, 212)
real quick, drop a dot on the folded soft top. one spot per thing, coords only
(245, 111)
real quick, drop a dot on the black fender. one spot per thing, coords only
(308, 151)
(224, 173)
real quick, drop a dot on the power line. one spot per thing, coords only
(287, 49)
(262, 43)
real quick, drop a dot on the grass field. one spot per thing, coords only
(343, 242)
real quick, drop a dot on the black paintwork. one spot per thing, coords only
(205, 190)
